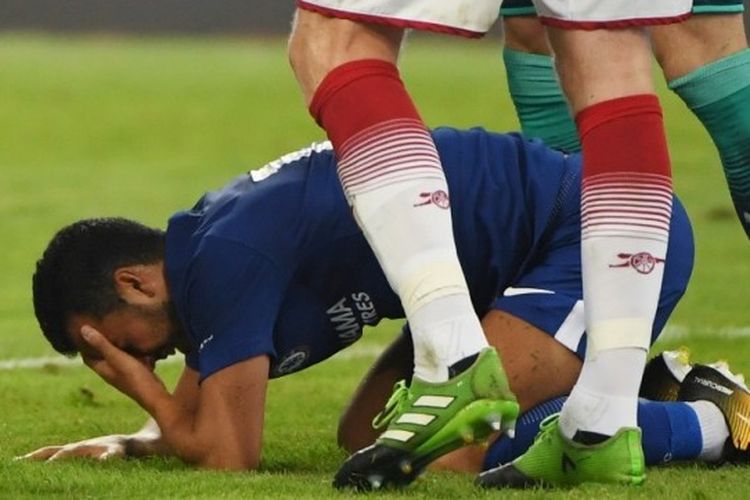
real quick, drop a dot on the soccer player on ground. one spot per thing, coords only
(347, 71)
(705, 61)
(271, 274)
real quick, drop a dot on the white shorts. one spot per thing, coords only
(473, 18)
(470, 18)
(595, 14)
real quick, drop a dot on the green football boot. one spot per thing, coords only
(554, 460)
(427, 420)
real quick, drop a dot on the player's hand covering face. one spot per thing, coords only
(130, 375)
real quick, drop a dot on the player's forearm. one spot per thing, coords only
(196, 438)
(174, 421)
(176, 426)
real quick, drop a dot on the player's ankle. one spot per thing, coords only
(714, 430)
(589, 438)
(462, 365)
(587, 416)
(447, 337)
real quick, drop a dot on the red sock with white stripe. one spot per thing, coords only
(391, 173)
(626, 205)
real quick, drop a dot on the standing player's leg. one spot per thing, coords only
(618, 459)
(392, 176)
(532, 81)
(626, 206)
(625, 210)
(707, 63)
(543, 353)
(705, 60)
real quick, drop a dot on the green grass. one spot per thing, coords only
(140, 128)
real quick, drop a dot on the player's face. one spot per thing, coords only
(145, 332)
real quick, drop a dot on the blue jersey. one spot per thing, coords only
(275, 264)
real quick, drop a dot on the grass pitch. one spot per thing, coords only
(140, 128)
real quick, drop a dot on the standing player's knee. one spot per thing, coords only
(684, 47)
(318, 44)
(617, 64)
(526, 34)
(301, 51)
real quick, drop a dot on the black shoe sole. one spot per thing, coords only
(506, 476)
(378, 467)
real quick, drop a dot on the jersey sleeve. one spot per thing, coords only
(234, 299)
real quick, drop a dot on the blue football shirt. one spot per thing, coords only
(275, 264)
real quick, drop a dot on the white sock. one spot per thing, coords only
(408, 224)
(605, 398)
(442, 332)
(624, 235)
(714, 429)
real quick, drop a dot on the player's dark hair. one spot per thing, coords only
(76, 272)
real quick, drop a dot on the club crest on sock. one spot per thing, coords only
(438, 198)
(642, 262)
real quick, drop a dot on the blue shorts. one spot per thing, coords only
(548, 292)
(526, 7)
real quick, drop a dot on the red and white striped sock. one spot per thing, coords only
(626, 206)
(391, 173)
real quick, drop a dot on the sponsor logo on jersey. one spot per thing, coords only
(350, 314)
(642, 262)
(291, 361)
(438, 198)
